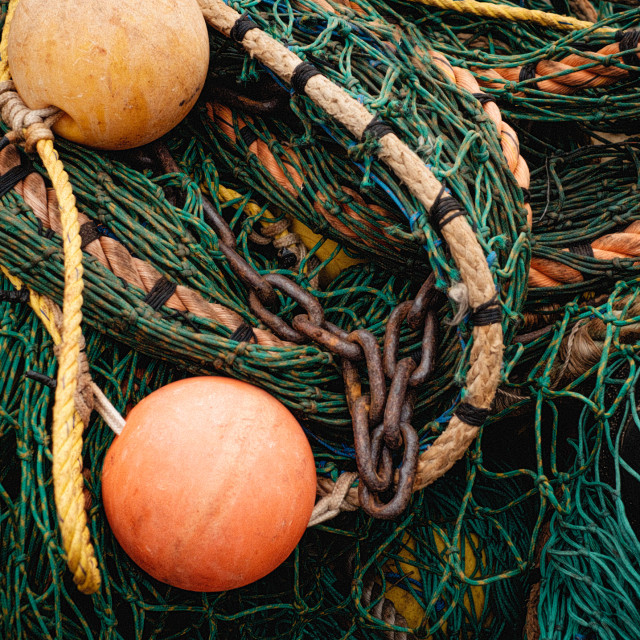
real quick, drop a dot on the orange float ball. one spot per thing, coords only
(210, 485)
(124, 72)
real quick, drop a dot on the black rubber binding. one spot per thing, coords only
(483, 98)
(471, 415)
(629, 40)
(247, 135)
(581, 249)
(301, 75)
(13, 176)
(241, 26)
(486, 314)
(445, 209)
(377, 129)
(528, 72)
(162, 290)
(244, 333)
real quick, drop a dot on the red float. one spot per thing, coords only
(210, 485)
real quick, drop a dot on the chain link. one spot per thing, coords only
(238, 264)
(381, 420)
(295, 292)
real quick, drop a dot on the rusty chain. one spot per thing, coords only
(382, 417)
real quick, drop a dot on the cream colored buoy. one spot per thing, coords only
(124, 71)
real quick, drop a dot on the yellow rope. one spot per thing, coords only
(518, 14)
(40, 304)
(67, 426)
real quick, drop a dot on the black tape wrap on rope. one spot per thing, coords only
(88, 233)
(628, 40)
(581, 249)
(487, 313)
(475, 416)
(376, 129)
(241, 26)
(244, 333)
(162, 290)
(528, 72)
(301, 75)
(14, 175)
(247, 135)
(483, 98)
(445, 208)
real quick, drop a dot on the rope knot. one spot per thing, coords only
(30, 125)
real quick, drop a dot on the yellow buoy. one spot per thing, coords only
(407, 605)
(124, 72)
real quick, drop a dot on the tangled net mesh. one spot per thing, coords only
(533, 531)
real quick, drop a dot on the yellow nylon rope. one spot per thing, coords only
(67, 428)
(518, 14)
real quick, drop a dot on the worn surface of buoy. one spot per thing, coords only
(124, 71)
(210, 485)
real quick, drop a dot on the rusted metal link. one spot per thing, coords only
(426, 295)
(392, 337)
(308, 302)
(352, 383)
(371, 502)
(392, 340)
(257, 283)
(295, 292)
(373, 459)
(406, 415)
(429, 345)
(218, 224)
(238, 264)
(395, 403)
(274, 322)
(328, 336)
(377, 384)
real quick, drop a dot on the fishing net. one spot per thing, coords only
(531, 531)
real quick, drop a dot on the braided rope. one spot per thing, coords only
(486, 353)
(115, 256)
(67, 466)
(543, 272)
(623, 244)
(514, 14)
(67, 425)
(572, 80)
(509, 142)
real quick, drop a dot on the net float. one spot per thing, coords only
(123, 72)
(210, 484)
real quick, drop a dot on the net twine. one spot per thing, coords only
(67, 428)
(486, 353)
(116, 257)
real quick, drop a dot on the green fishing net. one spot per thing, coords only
(544, 496)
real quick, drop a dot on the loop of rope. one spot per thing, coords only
(332, 504)
(32, 125)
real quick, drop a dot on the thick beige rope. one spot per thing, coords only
(486, 353)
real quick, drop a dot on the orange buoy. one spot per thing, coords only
(124, 71)
(210, 485)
